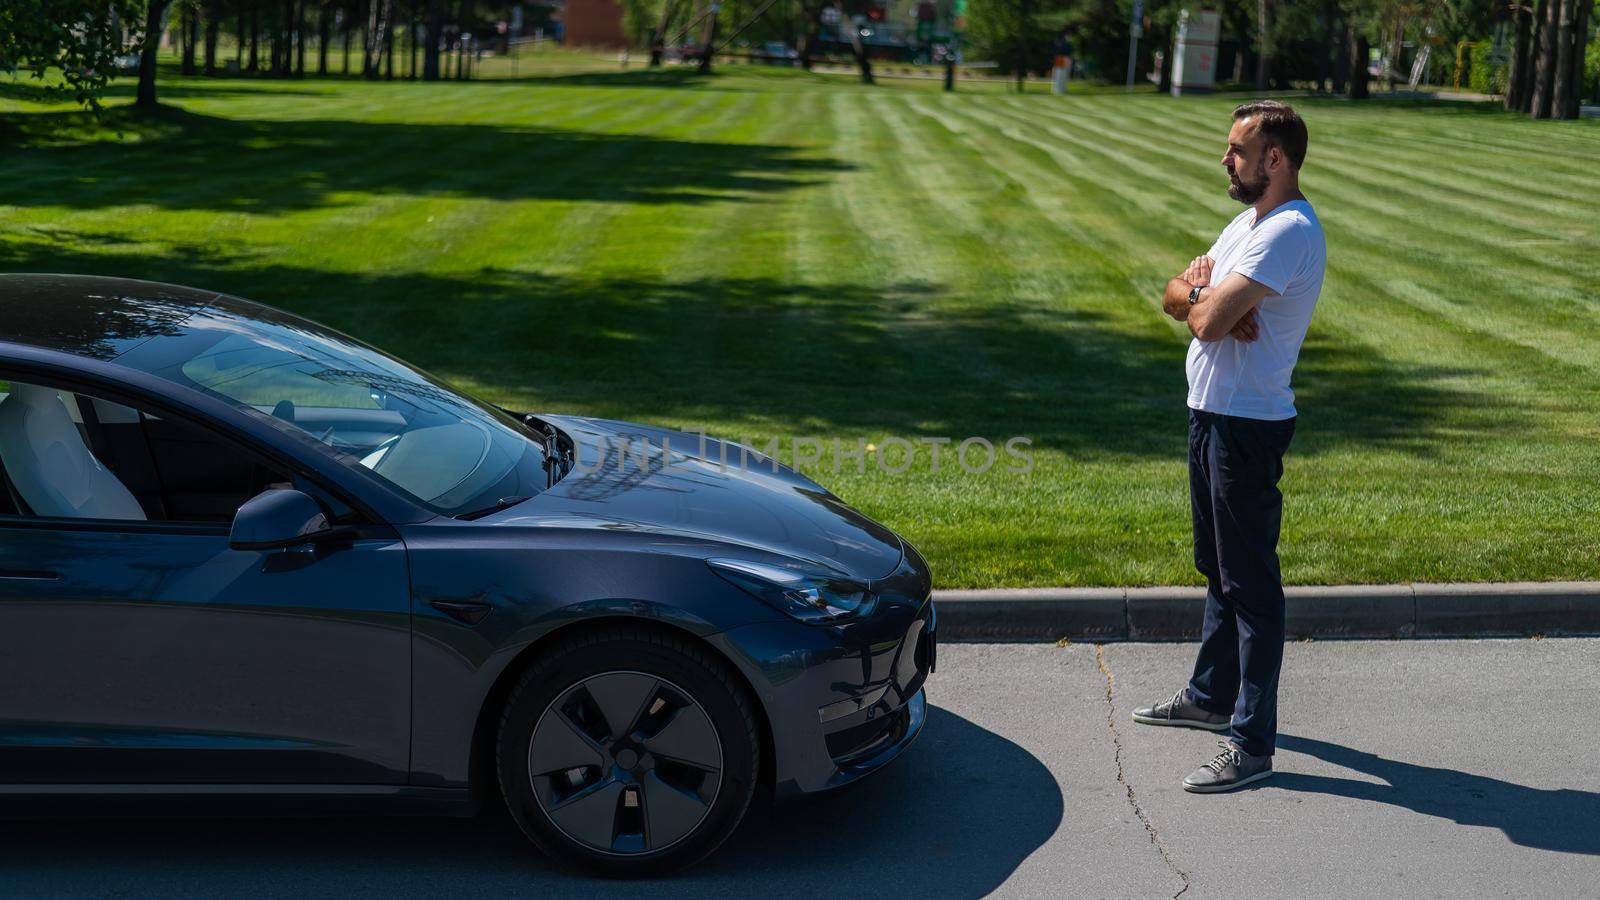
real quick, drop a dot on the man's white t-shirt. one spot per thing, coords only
(1285, 252)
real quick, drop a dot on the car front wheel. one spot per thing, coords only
(628, 752)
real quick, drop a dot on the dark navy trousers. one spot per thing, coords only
(1234, 467)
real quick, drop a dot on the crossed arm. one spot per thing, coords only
(1224, 309)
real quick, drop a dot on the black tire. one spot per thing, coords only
(691, 688)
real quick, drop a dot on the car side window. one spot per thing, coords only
(70, 455)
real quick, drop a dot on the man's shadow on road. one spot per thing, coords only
(1563, 820)
(954, 818)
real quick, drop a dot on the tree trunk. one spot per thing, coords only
(300, 39)
(282, 42)
(238, 50)
(1580, 35)
(1263, 58)
(346, 29)
(1396, 52)
(1238, 18)
(1544, 66)
(388, 52)
(213, 31)
(1563, 88)
(809, 35)
(1517, 67)
(857, 49)
(1164, 85)
(377, 32)
(324, 30)
(189, 26)
(1341, 57)
(145, 96)
(1360, 49)
(255, 40)
(1325, 49)
(462, 9)
(1325, 57)
(430, 50)
(658, 38)
(283, 47)
(709, 51)
(191, 46)
(411, 47)
(1025, 20)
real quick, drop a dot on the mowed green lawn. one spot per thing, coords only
(767, 253)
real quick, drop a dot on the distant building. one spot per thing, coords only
(593, 23)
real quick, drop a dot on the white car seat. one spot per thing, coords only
(50, 466)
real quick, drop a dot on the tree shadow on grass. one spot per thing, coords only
(753, 78)
(1415, 103)
(1348, 395)
(819, 359)
(125, 88)
(30, 90)
(183, 160)
(664, 77)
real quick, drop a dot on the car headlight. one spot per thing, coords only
(816, 598)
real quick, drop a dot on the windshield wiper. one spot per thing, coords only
(557, 461)
(500, 504)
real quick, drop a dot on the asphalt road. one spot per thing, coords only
(1416, 768)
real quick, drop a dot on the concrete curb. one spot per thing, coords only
(1507, 609)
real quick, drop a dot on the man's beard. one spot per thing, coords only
(1248, 192)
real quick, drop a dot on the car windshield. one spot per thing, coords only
(364, 408)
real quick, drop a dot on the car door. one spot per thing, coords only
(152, 652)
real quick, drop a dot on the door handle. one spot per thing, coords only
(28, 575)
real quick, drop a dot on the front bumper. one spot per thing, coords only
(843, 701)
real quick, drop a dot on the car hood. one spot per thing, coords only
(640, 478)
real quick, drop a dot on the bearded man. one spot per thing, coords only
(1248, 302)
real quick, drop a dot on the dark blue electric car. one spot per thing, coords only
(242, 555)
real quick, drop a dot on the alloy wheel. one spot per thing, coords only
(625, 763)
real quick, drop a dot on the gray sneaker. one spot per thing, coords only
(1231, 769)
(1182, 712)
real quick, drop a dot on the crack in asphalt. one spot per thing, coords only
(1122, 777)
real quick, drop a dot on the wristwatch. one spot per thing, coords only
(1194, 293)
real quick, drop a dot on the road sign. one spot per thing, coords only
(1194, 60)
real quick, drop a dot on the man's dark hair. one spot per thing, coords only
(1279, 124)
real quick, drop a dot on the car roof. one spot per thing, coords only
(98, 317)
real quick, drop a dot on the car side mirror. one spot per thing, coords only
(279, 518)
